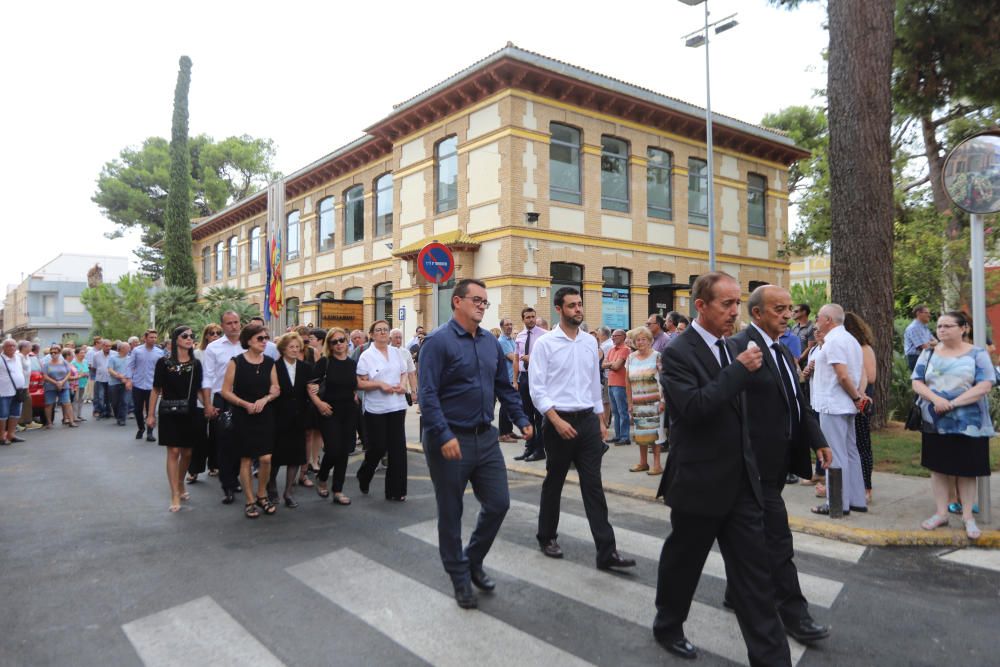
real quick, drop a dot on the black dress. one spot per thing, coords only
(176, 382)
(253, 434)
(290, 410)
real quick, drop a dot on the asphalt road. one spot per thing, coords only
(95, 571)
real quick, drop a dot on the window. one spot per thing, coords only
(444, 300)
(354, 294)
(563, 275)
(206, 264)
(697, 192)
(614, 174)
(754, 284)
(354, 215)
(383, 302)
(660, 278)
(72, 305)
(234, 256)
(756, 218)
(253, 261)
(292, 235)
(564, 164)
(383, 205)
(292, 311)
(616, 299)
(659, 200)
(325, 225)
(325, 295)
(48, 305)
(220, 259)
(446, 168)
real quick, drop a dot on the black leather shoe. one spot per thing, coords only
(551, 549)
(139, 434)
(362, 484)
(149, 437)
(227, 499)
(679, 647)
(535, 457)
(465, 596)
(481, 580)
(616, 561)
(521, 456)
(727, 605)
(855, 508)
(807, 630)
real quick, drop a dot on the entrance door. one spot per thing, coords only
(661, 299)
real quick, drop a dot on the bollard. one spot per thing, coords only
(835, 492)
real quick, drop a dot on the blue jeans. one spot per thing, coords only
(101, 403)
(117, 400)
(619, 407)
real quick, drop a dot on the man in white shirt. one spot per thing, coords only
(837, 397)
(213, 364)
(565, 387)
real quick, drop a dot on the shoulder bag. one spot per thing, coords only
(915, 419)
(20, 395)
(178, 407)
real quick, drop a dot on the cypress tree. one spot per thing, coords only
(178, 262)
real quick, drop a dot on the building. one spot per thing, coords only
(46, 307)
(536, 174)
(812, 269)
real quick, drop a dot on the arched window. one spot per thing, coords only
(354, 294)
(616, 299)
(206, 264)
(383, 302)
(220, 259)
(292, 235)
(325, 224)
(325, 295)
(253, 260)
(446, 171)
(354, 215)
(292, 311)
(659, 197)
(383, 205)
(234, 256)
(564, 164)
(614, 174)
(563, 275)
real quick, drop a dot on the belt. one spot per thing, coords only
(574, 414)
(471, 430)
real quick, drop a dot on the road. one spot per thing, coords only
(97, 572)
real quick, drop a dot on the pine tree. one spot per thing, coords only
(178, 261)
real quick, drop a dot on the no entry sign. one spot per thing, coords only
(436, 263)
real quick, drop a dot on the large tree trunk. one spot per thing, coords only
(861, 193)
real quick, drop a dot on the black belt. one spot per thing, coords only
(471, 430)
(575, 414)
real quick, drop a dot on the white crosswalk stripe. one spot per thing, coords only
(985, 559)
(195, 633)
(711, 629)
(413, 615)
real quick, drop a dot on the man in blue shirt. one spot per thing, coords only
(917, 336)
(462, 369)
(509, 347)
(139, 369)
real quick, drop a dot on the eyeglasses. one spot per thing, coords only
(338, 341)
(477, 301)
(380, 330)
(946, 326)
(260, 338)
(186, 335)
(214, 333)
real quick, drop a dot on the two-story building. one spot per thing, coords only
(536, 174)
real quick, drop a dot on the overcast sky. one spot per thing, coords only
(81, 81)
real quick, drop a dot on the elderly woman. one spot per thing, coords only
(952, 381)
(290, 411)
(336, 373)
(79, 362)
(13, 390)
(645, 399)
(57, 374)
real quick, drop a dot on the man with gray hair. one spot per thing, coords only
(837, 397)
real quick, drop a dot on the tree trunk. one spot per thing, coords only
(861, 191)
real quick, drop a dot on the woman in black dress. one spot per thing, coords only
(338, 412)
(290, 409)
(250, 384)
(177, 380)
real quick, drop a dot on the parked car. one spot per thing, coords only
(36, 386)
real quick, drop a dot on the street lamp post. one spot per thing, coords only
(695, 39)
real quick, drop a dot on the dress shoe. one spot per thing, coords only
(139, 434)
(616, 561)
(857, 508)
(465, 596)
(521, 456)
(363, 484)
(17, 439)
(149, 437)
(535, 457)
(727, 605)
(481, 580)
(807, 630)
(679, 647)
(551, 549)
(791, 478)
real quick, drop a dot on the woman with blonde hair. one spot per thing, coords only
(333, 393)
(644, 398)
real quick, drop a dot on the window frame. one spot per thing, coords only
(753, 229)
(326, 242)
(445, 204)
(220, 259)
(383, 302)
(651, 167)
(292, 304)
(381, 228)
(354, 197)
(573, 277)
(206, 264)
(233, 252)
(700, 219)
(560, 193)
(609, 203)
(253, 249)
(291, 253)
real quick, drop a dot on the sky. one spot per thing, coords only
(82, 81)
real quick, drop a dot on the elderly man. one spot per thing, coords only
(509, 348)
(614, 364)
(917, 336)
(12, 386)
(102, 398)
(837, 397)
(657, 326)
(141, 364)
(118, 382)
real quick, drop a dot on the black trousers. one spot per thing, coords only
(338, 440)
(506, 426)
(585, 452)
(791, 604)
(140, 401)
(225, 451)
(536, 444)
(743, 545)
(203, 449)
(386, 435)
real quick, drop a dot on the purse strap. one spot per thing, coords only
(12, 383)
(191, 380)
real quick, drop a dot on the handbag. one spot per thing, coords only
(178, 407)
(915, 419)
(20, 395)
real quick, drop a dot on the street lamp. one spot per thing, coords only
(694, 40)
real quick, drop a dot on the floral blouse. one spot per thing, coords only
(949, 377)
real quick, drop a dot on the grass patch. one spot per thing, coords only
(897, 450)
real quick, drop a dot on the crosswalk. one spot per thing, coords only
(396, 607)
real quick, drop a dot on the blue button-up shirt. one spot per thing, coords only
(141, 364)
(460, 376)
(508, 346)
(792, 342)
(916, 334)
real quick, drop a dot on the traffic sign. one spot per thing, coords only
(435, 262)
(402, 314)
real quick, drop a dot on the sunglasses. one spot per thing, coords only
(186, 335)
(339, 341)
(260, 338)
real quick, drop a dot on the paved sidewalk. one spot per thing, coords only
(899, 502)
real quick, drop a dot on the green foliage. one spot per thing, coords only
(900, 388)
(813, 293)
(176, 306)
(178, 266)
(121, 310)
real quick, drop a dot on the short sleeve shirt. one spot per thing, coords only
(619, 377)
(388, 369)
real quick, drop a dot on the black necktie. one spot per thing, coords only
(527, 342)
(723, 357)
(786, 382)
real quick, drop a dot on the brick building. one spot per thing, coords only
(537, 174)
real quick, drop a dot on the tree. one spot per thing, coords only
(813, 294)
(176, 306)
(120, 310)
(178, 265)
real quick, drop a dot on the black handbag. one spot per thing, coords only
(178, 407)
(915, 419)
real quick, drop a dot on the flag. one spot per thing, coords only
(273, 286)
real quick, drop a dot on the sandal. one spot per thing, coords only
(191, 479)
(185, 496)
(214, 472)
(820, 490)
(825, 510)
(322, 491)
(265, 504)
(175, 508)
(306, 482)
(935, 521)
(341, 499)
(250, 510)
(972, 530)
(639, 467)
(655, 471)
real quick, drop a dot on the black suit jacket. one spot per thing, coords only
(709, 442)
(292, 404)
(779, 443)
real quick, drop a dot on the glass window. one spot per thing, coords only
(253, 261)
(563, 275)
(292, 311)
(383, 205)
(206, 264)
(325, 224)
(234, 256)
(616, 302)
(354, 215)
(446, 167)
(614, 174)
(383, 302)
(220, 259)
(354, 294)
(292, 235)
(697, 192)
(444, 300)
(564, 164)
(660, 278)
(756, 218)
(325, 295)
(659, 200)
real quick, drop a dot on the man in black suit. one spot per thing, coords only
(782, 429)
(711, 481)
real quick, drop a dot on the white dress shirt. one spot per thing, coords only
(214, 362)
(828, 397)
(793, 374)
(710, 339)
(564, 372)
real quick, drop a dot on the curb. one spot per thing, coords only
(869, 537)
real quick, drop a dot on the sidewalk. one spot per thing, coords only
(899, 502)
